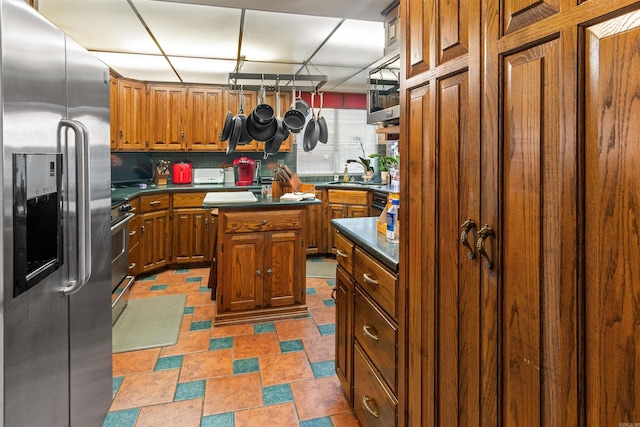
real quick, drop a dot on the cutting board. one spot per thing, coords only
(224, 197)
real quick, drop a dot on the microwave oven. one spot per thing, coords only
(383, 90)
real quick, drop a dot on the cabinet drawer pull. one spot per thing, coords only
(369, 279)
(366, 400)
(132, 266)
(467, 226)
(155, 202)
(342, 254)
(269, 271)
(132, 233)
(264, 221)
(367, 331)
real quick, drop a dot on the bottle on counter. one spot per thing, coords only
(395, 180)
(392, 222)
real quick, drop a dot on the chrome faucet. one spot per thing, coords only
(367, 174)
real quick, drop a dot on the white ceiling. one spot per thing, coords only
(200, 41)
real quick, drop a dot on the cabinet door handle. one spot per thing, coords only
(132, 233)
(370, 331)
(369, 279)
(121, 133)
(258, 272)
(132, 266)
(467, 226)
(484, 232)
(333, 293)
(155, 202)
(366, 401)
(342, 254)
(269, 271)
(206, 221)
(142, 228)
(264, 221)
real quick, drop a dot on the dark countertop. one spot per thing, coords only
(364, 233)
(263, 202)
(127, 193)
(352, 186)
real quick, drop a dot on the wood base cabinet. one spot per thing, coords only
(261, 265)
(367, 334)
(154, 232)
(192, 230)
(345, 204)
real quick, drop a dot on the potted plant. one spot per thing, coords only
(385, 163)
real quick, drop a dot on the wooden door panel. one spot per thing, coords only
(344, 331)
(521, 13)
(206, 118)
(612, 200)
(243, 272)
(456, 304)
(166, 111)
(190, 235)
(453, 33)
(280, 275)
(132, 115)
(418, 15)
(531, 348)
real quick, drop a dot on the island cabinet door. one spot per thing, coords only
(241, 272)
(282, 281)
(190, 235)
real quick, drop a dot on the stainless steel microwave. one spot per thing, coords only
(383, 90)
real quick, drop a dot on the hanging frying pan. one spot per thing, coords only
(227, 127)
(323, 133)
(312, 131)
(272, 145)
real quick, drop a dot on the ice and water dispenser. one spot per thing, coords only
(37, 218)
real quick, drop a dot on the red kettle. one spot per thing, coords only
(182, 172)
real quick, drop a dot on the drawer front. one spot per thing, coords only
(377, 280)
(344, 253)
(154, 202)
(188, 200)
(246, 222)
(378, 338)
(372, 401)
(349, 197)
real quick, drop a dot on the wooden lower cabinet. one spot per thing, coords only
(134, 238)
(315, 226)
(191, 236)
(345, 204)
(261, 265)
(154, 232)
(367, 334)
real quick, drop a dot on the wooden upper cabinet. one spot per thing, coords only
(113, 106)
(131, 115)
(206, 112)
(167, 117)
(452, 34)
(250, 102)
(416, 16)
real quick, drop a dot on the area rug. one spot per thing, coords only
(321, 269)
(148, 323)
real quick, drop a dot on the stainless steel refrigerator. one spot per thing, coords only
(56, 292)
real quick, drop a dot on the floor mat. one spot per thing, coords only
(148, 323)
(321, 269)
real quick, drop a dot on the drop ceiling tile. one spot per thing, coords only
(283, 37)
(192, 30)
(139, 67)
(354, 44)
(205, 71)
(345, 79)
(101, 25)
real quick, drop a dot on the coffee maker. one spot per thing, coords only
(245, 167)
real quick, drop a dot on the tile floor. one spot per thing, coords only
(277, 373)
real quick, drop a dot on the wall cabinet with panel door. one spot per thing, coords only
(345, 204)
(513, 319)
(167, 117)
(192, 230)
(261, 265)
(154, 232)
(206, 111)
(129, 120)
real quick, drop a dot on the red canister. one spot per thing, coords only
(182, 172)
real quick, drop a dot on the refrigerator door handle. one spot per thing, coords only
(83, 199)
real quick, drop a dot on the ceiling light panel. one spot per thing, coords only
(205, 71)
(101, 25)
(355, 43)
(345, 79)
(139, 67)
(192, 30)
(283, 37)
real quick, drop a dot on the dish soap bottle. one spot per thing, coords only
(392, 222)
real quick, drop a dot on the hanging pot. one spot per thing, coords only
(323, 132)
(261, 132)
(272, 145)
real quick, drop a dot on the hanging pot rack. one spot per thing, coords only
(313, 82)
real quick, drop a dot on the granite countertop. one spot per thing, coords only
(353, 185)
(364, 233)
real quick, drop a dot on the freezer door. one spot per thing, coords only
(35, 325)
(90, 308)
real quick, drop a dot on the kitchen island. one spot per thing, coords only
(260, 260)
